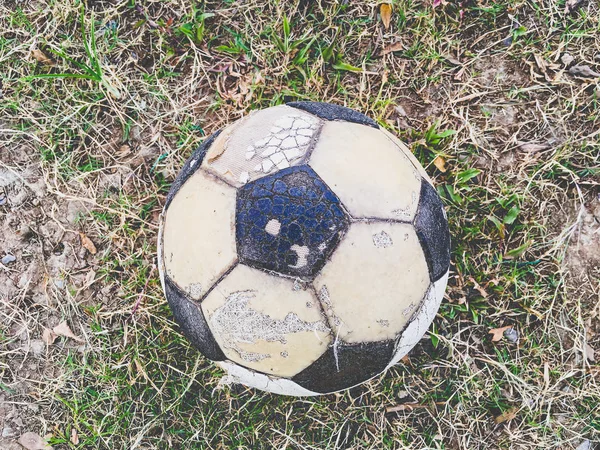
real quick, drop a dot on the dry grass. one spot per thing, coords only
(96, 155)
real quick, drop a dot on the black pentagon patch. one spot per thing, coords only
(189, 168)
(288, 222)
(431, 226)
(346, 366)
(328, 111)
(191, 320)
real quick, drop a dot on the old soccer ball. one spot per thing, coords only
(304, 249)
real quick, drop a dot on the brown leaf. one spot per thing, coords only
(33, 441)
(570, 5)
(498, 333)
(40, 57)
(478, 287)
(124, 150)
(87, 243)
(583, 71)
(89, 278)
(589, 353)
(452, 60)
(74, 436)
(567, 59)
(400, 110)
(395, 47)
(385, 10)
(440, 163)
(507, 415)
(585, 445)
(48, 336)
(62, 329)
(532, 146)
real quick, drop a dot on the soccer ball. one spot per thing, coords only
(304, 249)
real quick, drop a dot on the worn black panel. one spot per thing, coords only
(329, 111)
(431, 226)
(346, 366)
(191, 320)
(309, 216)
(188, 170)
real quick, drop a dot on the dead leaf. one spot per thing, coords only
(440, 163)
(570, 5)
(543, 65)
(507, 415)
(452, 60)
(40, 57)
(532, 146)
(589, 353)
(89, 278)
(48, 336)
(385, 10)
(33, 441)
(511, 335)
(566, 59)
(400, 110)
(74, 436)
(585, 445)
(124, 150)
(583, 71)
(395, 47)
(87, 243)
(62, 329)
(497, 333)
(258, 77)
(478, 287)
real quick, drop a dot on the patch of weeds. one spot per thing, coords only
(105, 217)
(236, 44)
(89, 164)
(194, 25)
(91, 69)
(18, 19)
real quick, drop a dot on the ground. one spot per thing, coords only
(101, 102)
